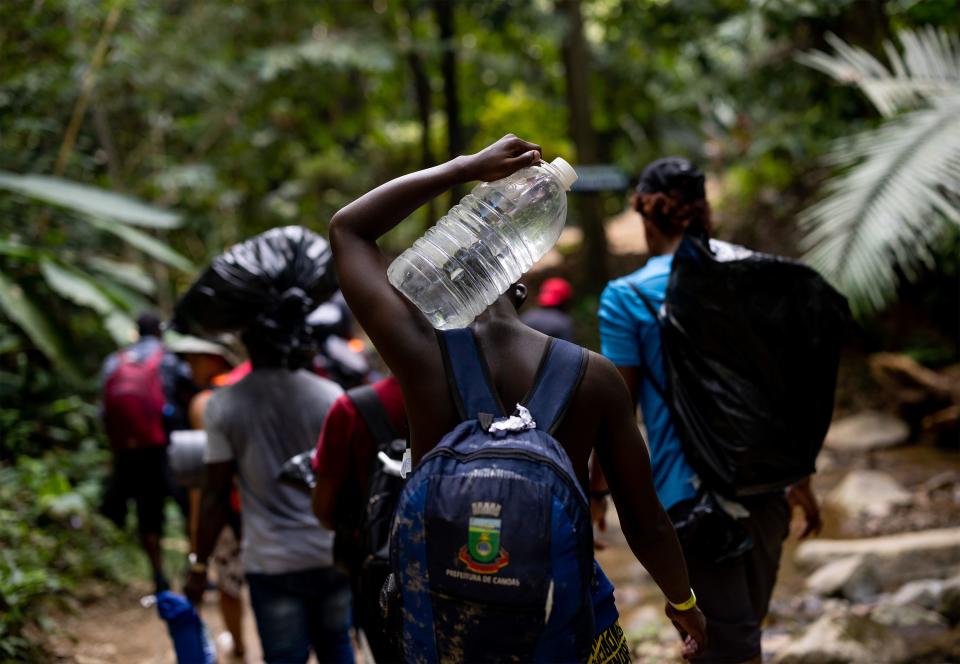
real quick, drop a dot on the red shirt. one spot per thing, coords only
(346, 445)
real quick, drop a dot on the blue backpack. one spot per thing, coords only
(492, 545)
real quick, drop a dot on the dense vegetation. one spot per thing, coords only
(242, 116)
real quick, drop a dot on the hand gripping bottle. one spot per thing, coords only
(484, 243)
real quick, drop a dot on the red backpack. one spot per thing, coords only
(133, 402)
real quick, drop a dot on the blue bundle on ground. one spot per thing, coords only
(189, 635)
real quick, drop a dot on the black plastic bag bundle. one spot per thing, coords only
(751, 350)
(264, 288)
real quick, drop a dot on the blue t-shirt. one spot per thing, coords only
(630, 337)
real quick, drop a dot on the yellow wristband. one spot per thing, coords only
(685, 606)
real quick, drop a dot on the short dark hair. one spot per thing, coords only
(671, 194)
(148, 324)
(673, 215)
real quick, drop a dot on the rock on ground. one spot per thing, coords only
(845, 638)
(868, 430)
(949, 602)
(852, 578)
(896, 559)
(925, 593)
(868, 492)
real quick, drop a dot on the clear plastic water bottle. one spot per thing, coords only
(484, 243)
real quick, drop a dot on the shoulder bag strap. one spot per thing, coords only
(556, 383)
(374, 415)
(467, 374)
(644, 370)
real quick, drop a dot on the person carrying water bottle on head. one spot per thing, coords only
(492, 547)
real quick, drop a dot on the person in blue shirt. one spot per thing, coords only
(733, 576)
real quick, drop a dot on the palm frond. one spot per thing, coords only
(145, 243)
(128, 274)
(21, 310)
(80, 289)
(928, 68)
(87, 200)
(889, 206)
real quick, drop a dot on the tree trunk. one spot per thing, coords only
(448, 67)
(576, 62)
(421, 87)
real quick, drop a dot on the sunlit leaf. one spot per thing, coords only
(35, 325)
(80, 289)
(17, 250)
(88, 200)
(929, 68)
(128, 298)
(121, 327)
(76, 287)
(330, 50)
(128, 274)
(892, 202)
(145, 243)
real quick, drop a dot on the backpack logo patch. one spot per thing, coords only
(482, 553)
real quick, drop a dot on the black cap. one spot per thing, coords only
(672, 174)
(148, 324)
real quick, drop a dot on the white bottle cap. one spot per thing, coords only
(567, 175)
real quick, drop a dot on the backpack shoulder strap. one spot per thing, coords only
(374, 415)
(557, 380)
(647, 302)
(643, 367)
(467, 374)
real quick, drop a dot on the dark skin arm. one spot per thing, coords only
(214, 511)
(397, 328)
(622, 455)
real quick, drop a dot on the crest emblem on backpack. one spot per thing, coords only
(482, 553)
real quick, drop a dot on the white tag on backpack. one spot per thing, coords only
(522, 421)
(407, 464)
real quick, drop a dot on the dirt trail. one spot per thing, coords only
(118, 629)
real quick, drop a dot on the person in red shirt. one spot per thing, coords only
(342, 464)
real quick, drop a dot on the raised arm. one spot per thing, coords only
(623, 457)
(396, 327)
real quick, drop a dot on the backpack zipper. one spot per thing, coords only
(508, 454)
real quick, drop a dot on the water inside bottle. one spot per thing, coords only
(481, 246)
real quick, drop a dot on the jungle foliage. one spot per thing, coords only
(191, 125)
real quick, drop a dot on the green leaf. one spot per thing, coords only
(75, 287)
(893, 201)
(127, 298)
(128, 274)
(928, 69)
(121, 327)
(89, 201)
(145, 243)
(35, 325)
(17, 250)
(80, 289)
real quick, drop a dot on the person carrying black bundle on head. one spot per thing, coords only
(732, 357)
(300, 601)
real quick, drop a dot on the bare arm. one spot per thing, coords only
(214, 511)
(396, 326)
(623, 457)
(631, 376)
(598, 481)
